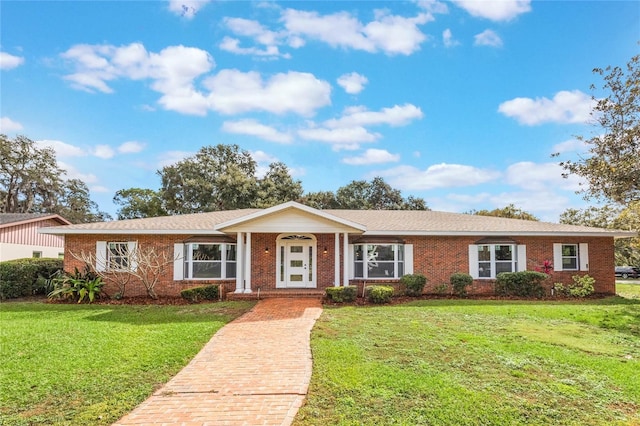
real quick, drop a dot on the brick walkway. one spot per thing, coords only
(253, 371)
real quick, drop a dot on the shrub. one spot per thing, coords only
(379, 293)
(582, 286)
(459, 283)
(26, 277)
(342, 294)
(77, 286)
(413, 284)
(197, 294)
(521, 284)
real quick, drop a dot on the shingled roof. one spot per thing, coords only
(13, 219)
(375, 222)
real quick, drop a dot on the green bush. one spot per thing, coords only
(342, 294)
(379, 293)
(459, 283)
(413, 284)
(521, 284)
(441, 289)
(26, 277)
(77, 286)
(582, 286)
(197, 294)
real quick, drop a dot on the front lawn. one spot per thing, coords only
(91, 364)
(630, 291)
(456, 362)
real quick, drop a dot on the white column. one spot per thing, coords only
(247, 265)
(345, 260)
(336, 261)
(239, 262)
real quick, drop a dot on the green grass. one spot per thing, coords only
(91, 364)
(452, 362)
(630, 291)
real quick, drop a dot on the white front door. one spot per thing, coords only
(299, 264)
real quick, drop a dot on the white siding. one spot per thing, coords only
(290, 222)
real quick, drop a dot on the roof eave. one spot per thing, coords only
(130, 231)
(615, 234)
(57, 217)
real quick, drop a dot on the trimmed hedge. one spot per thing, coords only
(197, 294)
(26, 277)
(342, 294)
(413, 284)
(459, 283)
(521, 284)
(379, 293)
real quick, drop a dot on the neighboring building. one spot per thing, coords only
(19, 236)
(292, 246)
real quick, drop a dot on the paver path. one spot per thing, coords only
(254, 371)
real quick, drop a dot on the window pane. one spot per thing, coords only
(296, 263)
(484, 269)
(296, 249)
(231, 252)
(484, 254)
(207, 252)
(381, 252)
(295, 277)
(207, 270)
(504, 252)
(400, 252)
(359, 270)
(569, 250)
(358, 253)
(382, 270)
(231, 269)
(400, 269)
(504, 267)
(569, 263)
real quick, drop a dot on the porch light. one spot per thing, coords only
(325, 250)
(266, 250)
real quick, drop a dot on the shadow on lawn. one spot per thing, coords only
(135, 314)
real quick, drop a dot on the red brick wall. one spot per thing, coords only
(435, 257)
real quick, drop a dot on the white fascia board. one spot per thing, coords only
(615, 234)
(286, 206)
(131, 231)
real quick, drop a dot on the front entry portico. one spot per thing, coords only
(296, 261)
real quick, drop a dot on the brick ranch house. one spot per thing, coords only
(293, 247)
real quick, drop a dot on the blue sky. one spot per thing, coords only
(460, 103)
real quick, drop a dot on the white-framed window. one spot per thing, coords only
(37, 254)
(378, 261)
(118, 256)
(570, 257)
(486, 261)
(209, 260)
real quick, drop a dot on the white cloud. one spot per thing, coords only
(233, 92)
(8, 61)
(342, 138)
(131, 147)
(390, 34)
(495, 10)
(7, 125)
(62, 149)
(448, 40)
(572, 145)
(437, 176)
(254, 128)
(172, 71)
(487, 38)
(398, 115)
(187, 8)
(263, 157)
(372, 156)
(352, 83)
(252, 29)
(100, 189)
(232, 45)
(536, 177)
(74, 173)
(433, 6)
(103, 151)
(565, 107)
